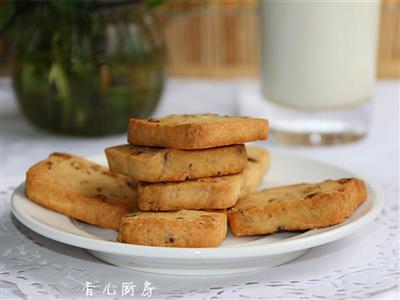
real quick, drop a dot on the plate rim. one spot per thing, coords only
(253, 251)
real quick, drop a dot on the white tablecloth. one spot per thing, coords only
(364, 265)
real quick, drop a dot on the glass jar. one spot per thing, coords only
(86, 71)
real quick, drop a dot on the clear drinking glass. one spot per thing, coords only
(318, 68)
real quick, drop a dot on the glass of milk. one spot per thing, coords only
(318, 68)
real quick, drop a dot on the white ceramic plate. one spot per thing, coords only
(235, 255)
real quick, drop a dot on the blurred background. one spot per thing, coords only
(220, 38)
(86, 67)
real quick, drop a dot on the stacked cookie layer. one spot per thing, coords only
(185, 166)
(170, 179)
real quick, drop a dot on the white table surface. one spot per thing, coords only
(364, 265)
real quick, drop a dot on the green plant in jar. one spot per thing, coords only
(86, 67)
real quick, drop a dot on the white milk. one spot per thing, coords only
(319, 54)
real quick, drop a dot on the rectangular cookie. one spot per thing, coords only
(163, 165)
(296, 207)
(196, 131)
(184, 228)
(258, 160)
(81, 189)
(207, 193)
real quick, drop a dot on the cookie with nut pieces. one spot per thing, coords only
(81, 189)
(197, 131)
(297, 207)
(184, 228)
(151, 164)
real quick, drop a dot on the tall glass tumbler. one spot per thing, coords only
(318, 68)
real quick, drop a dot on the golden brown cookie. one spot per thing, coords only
(296, 207)
(81, 189)
(207, 193)
(258, 160)
(184, 228)
(196, 131)
(162, 165)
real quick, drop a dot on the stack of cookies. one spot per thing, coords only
(182, 179)
(188, 170)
